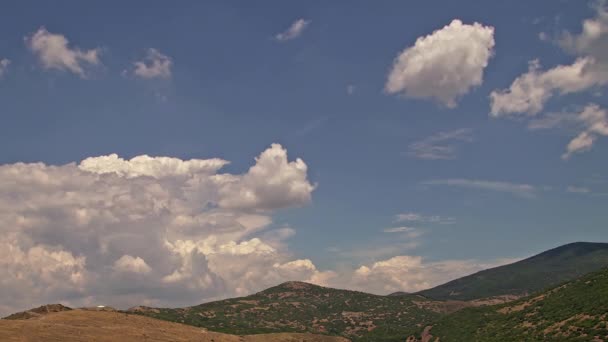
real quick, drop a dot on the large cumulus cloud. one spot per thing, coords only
(155, 230)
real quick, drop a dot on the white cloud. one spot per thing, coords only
(154, 65)
(294, 31)
(529, 92)
(594, 121)
(157, 167)
(273, 182)
(4, 63)
(593, 38)
(54, 52)
(127, 263)
(155, 230)
(524, 190)
(412, 273)
(444, 65)
(440, 145)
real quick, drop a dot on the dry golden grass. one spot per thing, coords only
(84, 325)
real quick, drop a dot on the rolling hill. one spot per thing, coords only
(574, 311)
(72, 325)
(303, 307)
(527, 276)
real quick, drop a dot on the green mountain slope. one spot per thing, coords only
(302, 307)
(575, 311)
(527, 276)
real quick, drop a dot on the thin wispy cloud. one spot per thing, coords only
(415, 217)
(377, 251)
(311, 126)
(523, 190)
(4, 63)
(294, 31)
(578, 189)
(442, 145)
(350, 89)
(554, 120)
(399, 229)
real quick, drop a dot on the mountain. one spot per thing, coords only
(574, 311)
(303, 307)
(527, 276)
(107, 326)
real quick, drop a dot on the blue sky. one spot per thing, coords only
(478, 177)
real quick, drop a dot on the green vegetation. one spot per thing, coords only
(575, 311)
(528, 276)
(302, 307)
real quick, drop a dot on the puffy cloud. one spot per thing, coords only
(593, 39)
(32, 271)
(4, 63)
(444, 65)
(127, 263)
(151, 230)
(154, 65)
(273, 182)
(294, 31)
(54, 52)
(524, 190)
(157, 167)
(440, 145)
(529, 92)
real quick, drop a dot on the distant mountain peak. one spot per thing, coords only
(533, 274)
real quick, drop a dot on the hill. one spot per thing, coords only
(303, 307)
(98, 325)
(574, 311)
(39, 311)
(527, 276)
